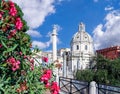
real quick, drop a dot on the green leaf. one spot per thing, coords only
(1, 22)
(4, 44)
(11, 49)
(4, 64)
(23, 50)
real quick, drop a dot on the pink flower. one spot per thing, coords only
(25, 57)
(14, 63)
(13, 69)
(55, 92)
(48, 73)
(0, 45)
(45, 59)
(32, 66)
(17, 62)
(18, 23)
(12, 33)
(55, 88)
(20, 53)
(11, 60)
(12, 11)
(32, 61)
(44, 78)
(11, 4)
(0, 16)
(47, 85)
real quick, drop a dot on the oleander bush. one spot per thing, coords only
(18, 75)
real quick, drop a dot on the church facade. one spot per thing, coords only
(82, 50)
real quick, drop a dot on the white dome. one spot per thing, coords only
(81, 36)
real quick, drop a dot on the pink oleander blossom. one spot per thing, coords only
(12, 11)
(44, 78)
(11, 4)
(14, 68)
(25, 57)
(47, 85)
(14, 63)
(0, 16)
(12, 33)
(54, 88)
(48, 73)
(32, 66)
(55, 92)
(45, 59)
(18, 23)
(20, 53)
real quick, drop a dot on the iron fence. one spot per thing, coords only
(73, 86)
(107, 89)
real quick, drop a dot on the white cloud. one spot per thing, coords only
(39, 44)
(98, 33)
(34, 33)
(106, 35)
(108, 8)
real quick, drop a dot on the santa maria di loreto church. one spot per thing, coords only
(82, 50)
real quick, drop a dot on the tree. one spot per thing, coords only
(105, 71)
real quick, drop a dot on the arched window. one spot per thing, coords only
(86, 47)
(77, 47)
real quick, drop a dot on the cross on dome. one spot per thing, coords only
(81, 27)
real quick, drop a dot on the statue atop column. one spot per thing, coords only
(54, 30)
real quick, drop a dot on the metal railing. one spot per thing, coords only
(73, 86)
(107, 89)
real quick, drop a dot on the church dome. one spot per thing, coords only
(81, 35)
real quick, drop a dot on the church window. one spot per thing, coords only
(77, 47)
(86, 47)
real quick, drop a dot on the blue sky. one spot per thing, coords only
(101, 17)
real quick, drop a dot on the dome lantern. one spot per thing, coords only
(81, 27)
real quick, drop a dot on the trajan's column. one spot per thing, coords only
(54, 48)
(54, 43)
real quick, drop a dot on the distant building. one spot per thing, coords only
(38, 56)
(110, 53)
(81, 49)
(60, 53)
(60, 56)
